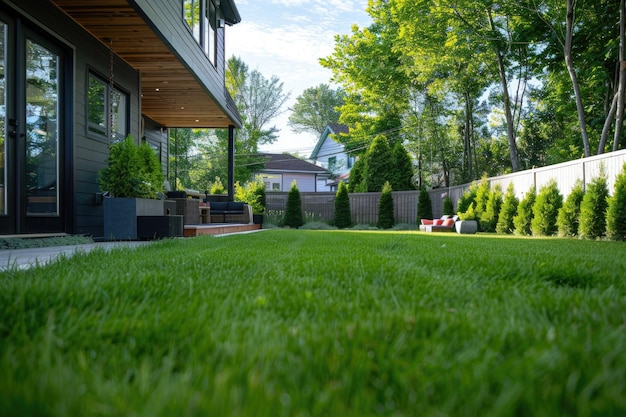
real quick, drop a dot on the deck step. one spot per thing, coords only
(218, 229)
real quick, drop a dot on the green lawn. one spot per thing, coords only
(320, 323)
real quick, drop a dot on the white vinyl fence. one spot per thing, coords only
(364, 206)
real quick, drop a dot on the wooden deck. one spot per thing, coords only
(192, 230)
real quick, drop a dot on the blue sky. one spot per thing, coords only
(286, 38)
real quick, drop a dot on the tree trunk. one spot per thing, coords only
(569, 28)
(619, 119)
(510, 128)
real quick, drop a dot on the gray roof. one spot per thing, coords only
(279, 162)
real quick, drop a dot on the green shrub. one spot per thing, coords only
(508, 211)
(342, 218)
(293, 209)
(357, 181)
(378, 160)
(132, 171)
(546, 209)
(616, 213)
(568, 218)
(593, 209)
(467, 199)
(523, 220)
(252, 193)
(489, 216)
(468, 214)
(385, 208)
(217, 187)
(482, 196)
(401, 169)
(448, 206)
(424, 206)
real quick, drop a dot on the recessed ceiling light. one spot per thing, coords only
(157, 89)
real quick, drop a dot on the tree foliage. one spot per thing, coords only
(316, 108)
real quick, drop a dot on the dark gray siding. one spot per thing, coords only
(167, 18)
(90, 154)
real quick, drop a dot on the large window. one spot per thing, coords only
(107, 110)
(204, 29)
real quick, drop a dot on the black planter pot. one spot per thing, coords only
(257, 218)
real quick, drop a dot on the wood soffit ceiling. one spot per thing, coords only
(171, 96)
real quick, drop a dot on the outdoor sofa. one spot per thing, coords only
(443, 224)
(230, 212)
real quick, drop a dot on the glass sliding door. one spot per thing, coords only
(3, 119)
(42, 133)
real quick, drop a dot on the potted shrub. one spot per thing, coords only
(133, 181)
(253, 194)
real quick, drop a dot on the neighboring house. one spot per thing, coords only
(78, 75)
(332, 155)
(281, 169)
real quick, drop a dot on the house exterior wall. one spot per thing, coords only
(305, 182)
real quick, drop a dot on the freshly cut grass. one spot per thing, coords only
(320, 323)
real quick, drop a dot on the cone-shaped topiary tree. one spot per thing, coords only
(546, 209)
(507, 211)
(568, 218)
(616, 212)
(489, 216)
(524, 217)
(424, 206)
(385, 208)
(402, 168)
(293, 209)
(593, 209)
(448, 206)
(343, 217)
(377, 161)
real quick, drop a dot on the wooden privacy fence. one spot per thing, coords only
(364, 206)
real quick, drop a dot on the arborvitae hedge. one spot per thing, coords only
(467, 199)
(593, 209)
(424, 206)
(402, 168)
(343, 218)
(569, 215)
(385, 208)
(616, 213)
(546, 209)
(524, 217)
(378, 160)
(507, 211)
(357, 181)
(489, 216)
(293, 210)
(482, 196)
(448, 206)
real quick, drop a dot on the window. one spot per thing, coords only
(107, 110)
(204, 29)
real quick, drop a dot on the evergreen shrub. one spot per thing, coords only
(424, 206)
(593, 209)
(448, 206)
(342, 217)
(546, 209)
(489, 216)
(568, 218)
(385, 208)
(616, 212)
(293, 209)
(132, 171)
(467, 199)
(523, 220)
(507, 211)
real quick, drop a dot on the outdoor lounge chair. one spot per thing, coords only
(444, 224)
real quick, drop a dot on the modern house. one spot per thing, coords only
(282, 169)
(331, 155)
(76, 76)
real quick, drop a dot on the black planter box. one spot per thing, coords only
(158, 227)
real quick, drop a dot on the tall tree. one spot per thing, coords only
(315, 109)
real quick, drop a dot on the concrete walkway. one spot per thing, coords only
(27, 258)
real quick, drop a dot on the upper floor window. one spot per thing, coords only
(107, 110)
(201, 18)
